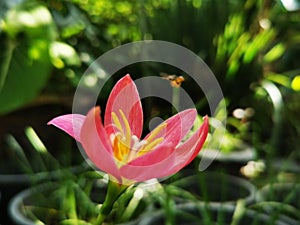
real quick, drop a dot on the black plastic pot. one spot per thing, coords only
(230, 162)
(244, 155)
(212, 214)
(22, 204)
(282, 199)
(16, 149)
(13, 183)
(288, 193)
(213, 187)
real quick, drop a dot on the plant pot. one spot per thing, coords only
(288, 193)
(17, 150)
(13, 183)
(243, 155)
(280, 198)
(34, 200)
(213, 187)
(212, 214)
(35, 205)
(283, 211)
(285, 165)
(230, 162)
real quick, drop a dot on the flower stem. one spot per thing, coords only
(176, 100)
(114, 191)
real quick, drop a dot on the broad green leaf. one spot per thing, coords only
(25, 68)
(26, 76)
(8, 47)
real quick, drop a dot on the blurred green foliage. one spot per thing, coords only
(46, 46)
(27, 31)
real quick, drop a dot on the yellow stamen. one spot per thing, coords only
(122, 141)
(127, 127)
(156, 131)
(148, 147)
(117, 122)
(120, 148)
(117, 152)
(125, 146)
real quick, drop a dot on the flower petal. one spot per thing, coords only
(124, 96)
(169, 165)
(135, 171)
(70, 123)
(158, 154)
(177, 127)
(186, 152)
(96, 143)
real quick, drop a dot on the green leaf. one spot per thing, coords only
(280, 79)
(62, 53)
(258, 44)
(26, 65)
(74, 222)
(27, 73)
(30, 18)
(296, 83)
(275, 53)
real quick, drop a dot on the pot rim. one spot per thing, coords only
(211, 206)
(25, 178)
(245, 184)
(243, 155)
(14, 204)
(17, 200)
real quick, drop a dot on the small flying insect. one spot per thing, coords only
(175, 80)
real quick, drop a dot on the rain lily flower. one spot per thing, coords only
(115, 146)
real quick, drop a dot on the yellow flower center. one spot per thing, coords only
(126, 146)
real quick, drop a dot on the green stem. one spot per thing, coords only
(170, 207)
(114, 191)
(176, 99)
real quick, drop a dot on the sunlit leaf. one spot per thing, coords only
(296, 83)
(74, 221)
(275, 53)
(258, 44)
(62, 53)
(232, 69)
(31, 18)
(279, 78)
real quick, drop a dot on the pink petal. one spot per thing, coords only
(169, 164)
(70, 123)
(140, 173)
(186, 152)
(111, 130)
(125, 96)
(158, 154)
(177, 127)
(96, 143)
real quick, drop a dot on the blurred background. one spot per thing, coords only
(252, 47)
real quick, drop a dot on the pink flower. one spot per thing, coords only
(116, 148)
